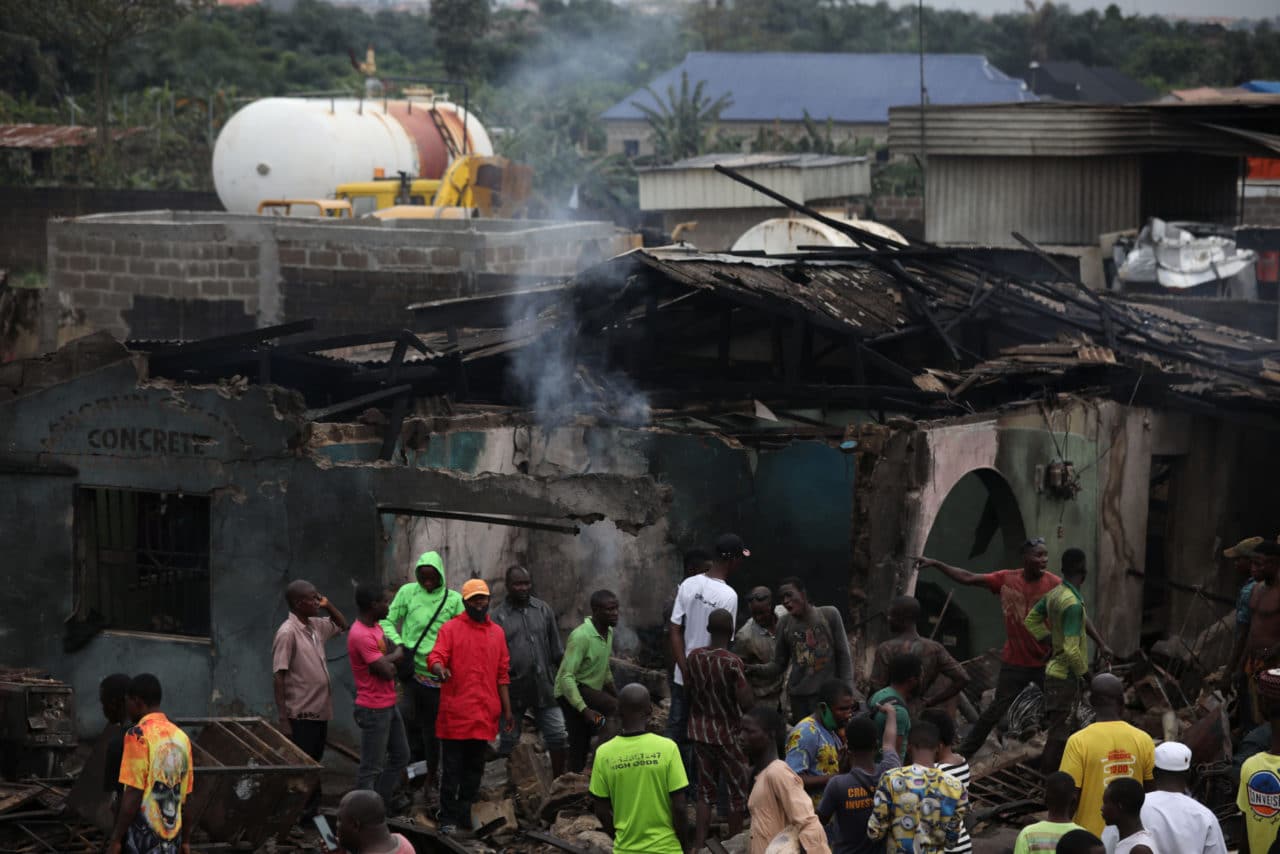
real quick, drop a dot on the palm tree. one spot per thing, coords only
(683, 126)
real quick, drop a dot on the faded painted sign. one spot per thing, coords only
(138, 425)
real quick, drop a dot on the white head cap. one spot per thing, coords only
(1173, 756)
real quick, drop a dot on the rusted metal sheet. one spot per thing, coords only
(251, 783)
(14, 795)
(48, 137)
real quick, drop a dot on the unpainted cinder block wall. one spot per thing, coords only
(26, 211)
(181, 275)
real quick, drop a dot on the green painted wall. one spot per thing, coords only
(1021, 512)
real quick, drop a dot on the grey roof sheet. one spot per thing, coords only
(843, 87)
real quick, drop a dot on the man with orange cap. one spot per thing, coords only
(471, 660)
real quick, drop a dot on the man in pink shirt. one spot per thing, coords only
(304, 695)
(384, 747)
(471, 661)
(362, 826)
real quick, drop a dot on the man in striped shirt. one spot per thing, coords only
(718, 692)
(950, 762)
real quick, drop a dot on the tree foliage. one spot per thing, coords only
(99, 31)
(539, 79)
(683, 125)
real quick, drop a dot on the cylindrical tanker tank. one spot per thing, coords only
(787, 234)
(302, 148)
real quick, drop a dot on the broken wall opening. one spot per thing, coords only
(142, 560)
(980, 528)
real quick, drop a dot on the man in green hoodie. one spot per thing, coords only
(417, 612)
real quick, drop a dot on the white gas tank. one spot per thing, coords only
(280, 148)
(785, 235)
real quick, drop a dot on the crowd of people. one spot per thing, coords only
(765, 718)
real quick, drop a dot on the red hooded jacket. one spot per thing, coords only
(478, 661)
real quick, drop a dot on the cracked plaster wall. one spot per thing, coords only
(277, 513)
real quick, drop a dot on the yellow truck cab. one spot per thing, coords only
(365, 197)
(329, 208)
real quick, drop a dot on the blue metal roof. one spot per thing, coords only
(843, 87)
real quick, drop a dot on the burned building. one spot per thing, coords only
(847, 410)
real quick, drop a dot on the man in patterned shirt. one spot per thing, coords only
(935, 661)
(919, 809)
(718, 694)
(814, 745)
(156, 772)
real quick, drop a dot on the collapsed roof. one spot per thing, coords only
(882, 327)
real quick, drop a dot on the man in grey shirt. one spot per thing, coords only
(812, 640)
(533, 641)
(755, 644)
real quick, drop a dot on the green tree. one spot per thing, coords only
(685, 124)
(460, 28)
(101, 30)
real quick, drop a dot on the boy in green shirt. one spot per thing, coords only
(904, 681)
(638, 783)
(1060, 800)
(584, 683)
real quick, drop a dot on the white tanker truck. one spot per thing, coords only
(303, 148)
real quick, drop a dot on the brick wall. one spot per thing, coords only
(185, 275)
(898, 208)
(1261, 210)
(24, 212)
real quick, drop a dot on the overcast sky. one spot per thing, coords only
(1191, 8)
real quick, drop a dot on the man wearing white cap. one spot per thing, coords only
(1178, 822)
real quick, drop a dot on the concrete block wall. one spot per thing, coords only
(1261, 210)
(898, 208)
(181, 275)
(26, 211)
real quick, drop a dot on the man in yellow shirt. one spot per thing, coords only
(1259, 795)
(1104, 751)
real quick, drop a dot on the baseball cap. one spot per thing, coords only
(1244, 548)
(731, 545)
(1173, 756)
(474, 587)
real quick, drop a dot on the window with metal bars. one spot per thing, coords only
(142, 561)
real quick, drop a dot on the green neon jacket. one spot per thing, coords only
(413, 607)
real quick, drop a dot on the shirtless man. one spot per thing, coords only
(1262, 644)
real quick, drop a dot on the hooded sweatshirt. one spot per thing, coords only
(411, 610)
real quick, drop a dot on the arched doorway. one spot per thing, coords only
(978, 527)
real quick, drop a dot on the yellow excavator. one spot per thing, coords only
(473, 185)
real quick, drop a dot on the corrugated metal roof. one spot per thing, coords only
(1068, 80)
(1078, 130)
(856, 297)
(47, 137)
(694, 185)
(842, 87)
(1052, 200)
(758, 160)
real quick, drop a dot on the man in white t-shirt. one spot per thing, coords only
(697, 597)
(1177, 821)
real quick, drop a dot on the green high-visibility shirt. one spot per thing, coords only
(585, 662)
(1060, 614)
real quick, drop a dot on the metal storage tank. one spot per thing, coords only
(279, 148)
(787, 234)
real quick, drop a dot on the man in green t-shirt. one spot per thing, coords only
(638, 783)
(904, 681)
(1060, 801)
